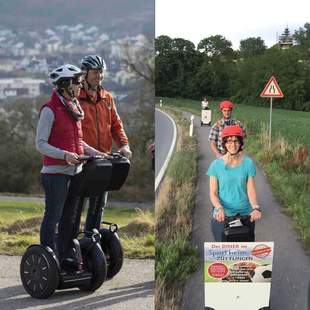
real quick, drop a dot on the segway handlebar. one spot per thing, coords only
(236, 220)
(108, 156)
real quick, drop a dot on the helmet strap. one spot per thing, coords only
(70, 90)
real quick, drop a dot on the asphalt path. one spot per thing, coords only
(165, 132)
(131, 288)
(291, 266)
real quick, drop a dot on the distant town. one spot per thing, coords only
(26, 58)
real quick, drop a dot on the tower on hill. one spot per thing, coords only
(286, 39)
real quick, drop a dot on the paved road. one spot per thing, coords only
(291, 268)
(165, 133)
(132, 288)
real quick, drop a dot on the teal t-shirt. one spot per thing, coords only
(232, 184)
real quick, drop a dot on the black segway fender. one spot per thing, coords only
(113, 250)
(39, 271)
(95, 262)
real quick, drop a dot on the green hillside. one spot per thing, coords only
(286, 164)
(292, 125)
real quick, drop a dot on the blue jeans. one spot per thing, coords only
(56, 190)
(217, 229)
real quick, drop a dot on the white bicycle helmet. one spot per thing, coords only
(93, 62)
(65, 72)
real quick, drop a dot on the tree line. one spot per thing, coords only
(215, 70)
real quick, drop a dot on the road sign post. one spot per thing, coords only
(270, 118)
(271, 90)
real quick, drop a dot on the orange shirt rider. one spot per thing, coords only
(101, 124)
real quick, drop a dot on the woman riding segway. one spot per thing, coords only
(59, 140)
(232, 186)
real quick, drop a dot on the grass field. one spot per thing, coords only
(292, 125)
(20, 223)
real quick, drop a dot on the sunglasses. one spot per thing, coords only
(77, 83)
(230, 141)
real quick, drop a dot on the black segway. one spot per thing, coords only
(110, 242)
(83, 262)
(238, 229)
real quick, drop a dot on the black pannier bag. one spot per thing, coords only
(238, 229)
(95, 177)
(120, 170)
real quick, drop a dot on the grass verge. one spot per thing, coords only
(20, 224)
(175, 257)
(286, 164)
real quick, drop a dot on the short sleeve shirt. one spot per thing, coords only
(217, 128)
(232, 184)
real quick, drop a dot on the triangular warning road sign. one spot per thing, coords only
(272, 89)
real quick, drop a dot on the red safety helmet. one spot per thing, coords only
(226, 104)
(232, 130)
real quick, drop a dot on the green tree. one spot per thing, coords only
(216, 46)
(163, 45)
(176, 61)
(302, 37)
(252, 47)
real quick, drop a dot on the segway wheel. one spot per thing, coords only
(94, 261)
(113, 251)
(39, 272)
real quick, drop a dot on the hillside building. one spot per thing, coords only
(286, 40)
(21, 87)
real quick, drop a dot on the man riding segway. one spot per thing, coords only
(101, 126)
(215, 139)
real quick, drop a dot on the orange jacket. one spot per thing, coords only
(101, 123)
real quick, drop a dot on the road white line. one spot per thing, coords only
(165, 165)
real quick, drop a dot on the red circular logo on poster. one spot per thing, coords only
(218, 270)
(261, 250)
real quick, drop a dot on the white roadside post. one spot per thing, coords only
(271, 90)
(191, 126)
(161, 103)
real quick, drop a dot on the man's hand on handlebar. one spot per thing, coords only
(125, 151)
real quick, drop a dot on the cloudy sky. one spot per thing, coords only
(234, 19)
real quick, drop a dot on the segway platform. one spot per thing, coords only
(237, 275)
(206, 117)
(41, 273)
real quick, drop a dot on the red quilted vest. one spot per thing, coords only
(66, 133)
